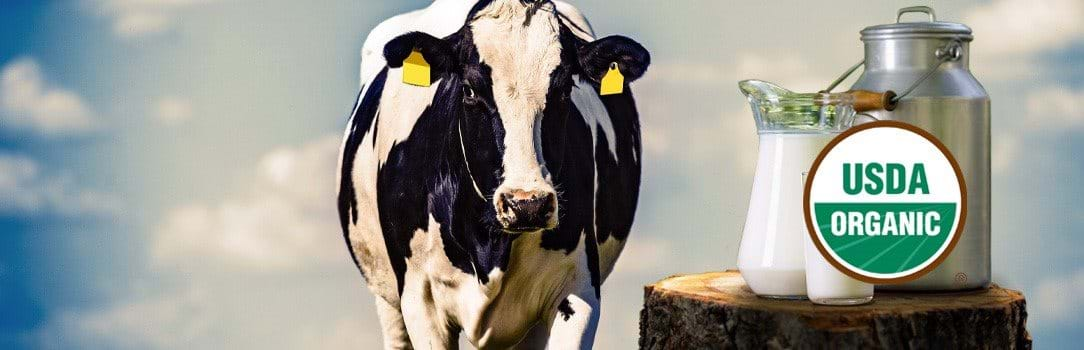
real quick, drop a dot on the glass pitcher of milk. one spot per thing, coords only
(793, 129)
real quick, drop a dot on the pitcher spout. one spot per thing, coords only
(778, 110)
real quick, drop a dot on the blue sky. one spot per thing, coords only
(166, 166)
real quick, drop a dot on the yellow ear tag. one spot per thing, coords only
(416, 70)
(613, 82)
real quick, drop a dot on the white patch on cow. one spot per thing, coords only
(522, 57)
(396, 120)
(393, 124)
(437, 294)
(578, 331)
(586, 100)
(507, 317)
(366, 237)
(392, 325)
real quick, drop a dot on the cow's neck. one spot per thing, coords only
(472, 238)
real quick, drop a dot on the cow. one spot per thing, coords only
(495, 201)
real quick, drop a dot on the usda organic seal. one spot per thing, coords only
(885, 202)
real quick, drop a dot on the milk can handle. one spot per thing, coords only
(845, 75)
(948, 53)
(914, 9)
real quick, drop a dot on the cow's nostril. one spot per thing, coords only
(527, 206)
(549, 203)
(526, 210)
(506, 203)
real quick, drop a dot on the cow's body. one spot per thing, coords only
(409, 202)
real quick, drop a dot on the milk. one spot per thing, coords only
(772, 253)
(825, 285)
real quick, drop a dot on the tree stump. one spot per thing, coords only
(717, 311)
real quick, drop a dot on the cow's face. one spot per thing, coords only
(512, 66)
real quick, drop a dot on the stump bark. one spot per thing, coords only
(717, 311)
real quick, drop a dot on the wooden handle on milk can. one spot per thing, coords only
(865, 101)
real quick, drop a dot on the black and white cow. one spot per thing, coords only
(496, 201)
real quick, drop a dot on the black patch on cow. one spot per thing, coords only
(565, 309)
(566, 149)
(364, 112)
(631, 57)
(437, 52)
(474, 244)
(618, 180)
(559, 105)
(591, 245)
(574, 160)
(376, 128)
(406, 179)
(575, 185)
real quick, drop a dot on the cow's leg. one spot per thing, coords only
(392, 326)
(576, 321)
(428, 326)
(537, 337)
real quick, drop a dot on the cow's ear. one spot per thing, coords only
(437, 52)
(631, 57)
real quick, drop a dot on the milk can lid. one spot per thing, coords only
(931, 28)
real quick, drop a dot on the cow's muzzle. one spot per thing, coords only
(522, 211)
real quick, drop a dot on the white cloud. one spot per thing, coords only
(218, 272)
(1048, 109)
(134, 24)
(27, 103)
(785, 69)
(1055, 107)
(1059, 299)
(172, 110)
(288, 220)
(686, 72)
(25, 190)
(1009, 34)
(16, 174)
(1026, 26)
(164, 322)
(1006, 147)
(140, 18)
(788, 70)
(226, 312)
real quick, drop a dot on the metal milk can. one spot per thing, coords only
(927, 62)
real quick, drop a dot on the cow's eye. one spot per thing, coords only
(468, 92)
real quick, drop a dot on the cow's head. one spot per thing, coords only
(512, 66)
